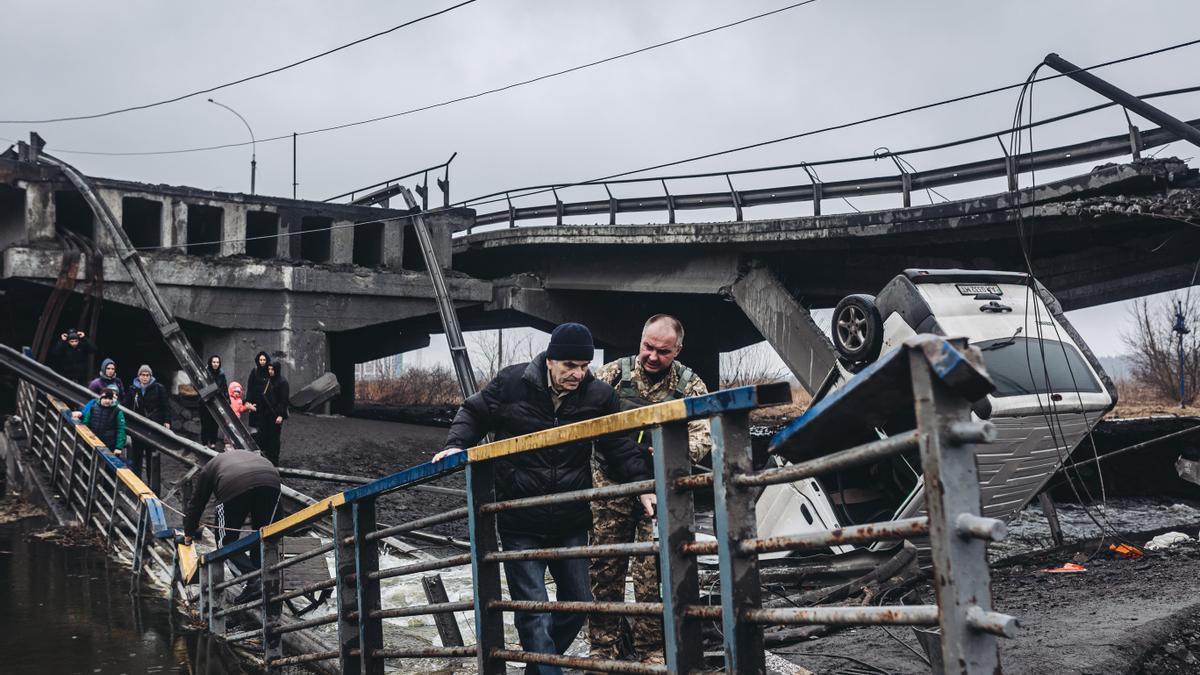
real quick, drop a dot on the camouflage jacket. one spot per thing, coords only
(699, 437)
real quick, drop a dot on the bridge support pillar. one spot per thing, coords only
(785, 323)
(39, 211)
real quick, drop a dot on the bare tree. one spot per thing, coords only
(1154, 346)
(756, 364)
(492, 350)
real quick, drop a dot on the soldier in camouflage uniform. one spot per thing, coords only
(653, 376)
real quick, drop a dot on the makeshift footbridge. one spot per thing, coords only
(926, 387)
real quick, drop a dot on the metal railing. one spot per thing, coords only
(102, 493)
(931, 378)
(383, 191)
(904, 182)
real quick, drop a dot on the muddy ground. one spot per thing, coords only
(1121, 616)
(372, 449)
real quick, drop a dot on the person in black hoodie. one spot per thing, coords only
(255, 382)
(147, 397)
(554, 389)
(70, 356)
(208, 424)
(272, 411)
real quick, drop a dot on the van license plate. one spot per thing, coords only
(976, 289)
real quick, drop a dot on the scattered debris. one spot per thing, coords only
(71, 536)
(1125, 550)
(13, 509)
(1166, 540)
(1066, 568)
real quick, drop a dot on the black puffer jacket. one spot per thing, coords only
(149, 401)
(518, 401)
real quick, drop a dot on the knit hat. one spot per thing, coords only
(571, 342)
(110, 391)
(145, 369)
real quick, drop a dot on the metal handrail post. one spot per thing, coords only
(69, 488)
(58, 433)
(216, 598)
(346, 589)
(139, 544)
(960, 573)
(271, 585)
(368, 593)
(678, 573)
(202, 598)
(733, 520)
(112, 512)
(93, 457)
(485, 576)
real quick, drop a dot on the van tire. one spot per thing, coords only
(857, 328)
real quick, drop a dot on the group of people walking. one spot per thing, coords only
(264, 399)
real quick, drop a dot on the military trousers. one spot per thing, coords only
(618, 521)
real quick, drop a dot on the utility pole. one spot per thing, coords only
(1180, 328)
(294, 183)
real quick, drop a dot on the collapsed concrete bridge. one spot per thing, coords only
(324, 286)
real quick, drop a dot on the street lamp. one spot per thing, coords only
(253, 143)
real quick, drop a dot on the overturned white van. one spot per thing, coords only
(1050, 392)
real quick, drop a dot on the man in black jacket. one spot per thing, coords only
(147, 397)
(245, 484)
(554, 389)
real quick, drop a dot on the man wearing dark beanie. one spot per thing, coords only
(554, 389)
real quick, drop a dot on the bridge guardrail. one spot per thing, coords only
(907, 179)
(935, 379)
(101, 491)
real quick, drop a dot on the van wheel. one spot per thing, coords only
(857, 328)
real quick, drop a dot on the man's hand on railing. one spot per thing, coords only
(649, 503)
(445, 453)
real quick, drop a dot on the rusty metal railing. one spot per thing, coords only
(1132, 141)
(931, 378)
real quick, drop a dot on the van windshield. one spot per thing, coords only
(1017, 367)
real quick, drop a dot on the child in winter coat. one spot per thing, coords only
(105, 419)
(236, 402)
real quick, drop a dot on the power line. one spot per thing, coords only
(248, 78)
(468, 97)
(837, 127)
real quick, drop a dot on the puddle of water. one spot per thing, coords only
(68, 610)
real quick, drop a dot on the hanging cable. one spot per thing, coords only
(248, 78)
(468, 97)
(813, 132)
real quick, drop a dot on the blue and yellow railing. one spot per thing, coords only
(102, 493)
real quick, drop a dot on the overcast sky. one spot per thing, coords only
(824, 63)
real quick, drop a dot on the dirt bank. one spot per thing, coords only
(372, 449)
(1121, 616)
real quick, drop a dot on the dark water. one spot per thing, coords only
(69, 610)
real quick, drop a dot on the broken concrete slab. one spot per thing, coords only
(316, 393)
